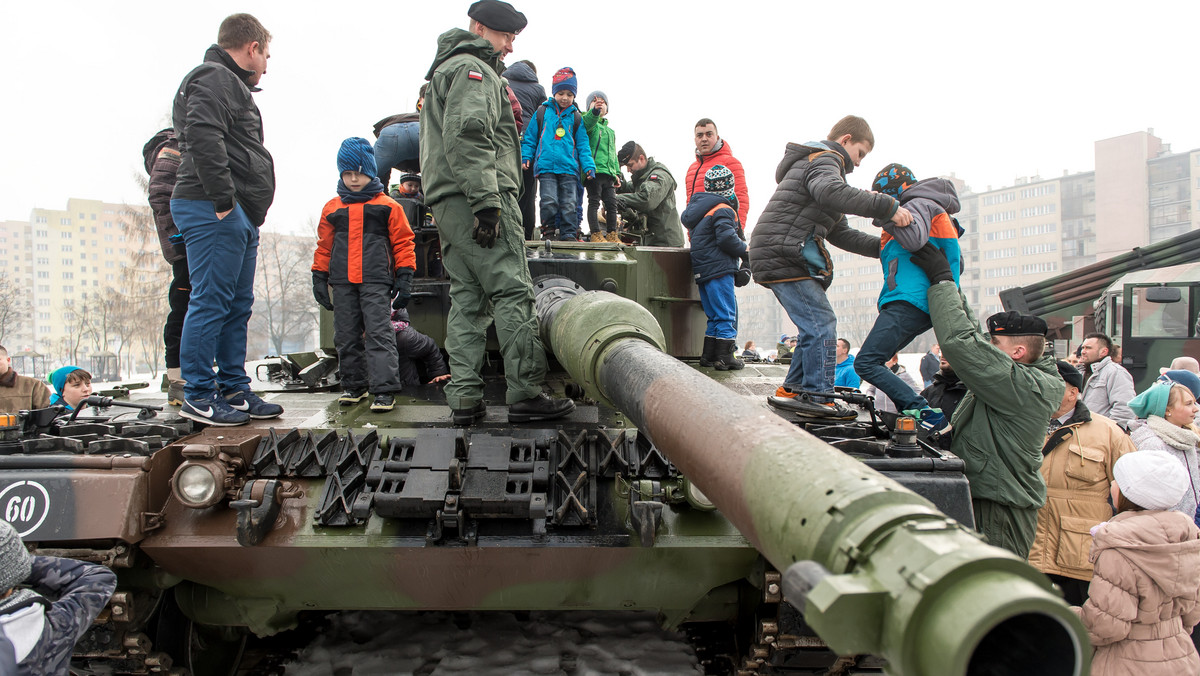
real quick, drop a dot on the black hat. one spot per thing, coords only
(1013, 323)
(625, 153)
(498, 15)
(1070, 374)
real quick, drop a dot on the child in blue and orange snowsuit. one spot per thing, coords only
(365, 252)
(903, 305)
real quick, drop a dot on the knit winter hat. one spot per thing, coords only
(598, 94)
(719, 181)
(893, 180)
(58, 377)
(1186, 378)
(1153, 401)
(14, 558)
(1151, 479)
(565, 79)
(356, 154)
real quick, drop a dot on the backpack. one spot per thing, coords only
(574, 126)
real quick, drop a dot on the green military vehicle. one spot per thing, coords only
(780, 545)
(1146, 300)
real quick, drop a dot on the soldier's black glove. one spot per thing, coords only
(321, 289)
(487, 222)
(931, 259)
(742, 276)
(402, 287)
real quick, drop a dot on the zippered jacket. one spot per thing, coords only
(716, 246)
(557, 142)
(694, 182)
(931, 201)
(602, 141)
(807, 210)
(469, 140)
(363, 242)
(220, 136)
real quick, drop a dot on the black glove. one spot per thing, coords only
(742, 276)
(321, 289)
(931, 259)
(487, 222)
(402, 287)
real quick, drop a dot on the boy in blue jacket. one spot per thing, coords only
(717, 251)
(556, 146)
(903, 302)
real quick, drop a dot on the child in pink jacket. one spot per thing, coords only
(1143, 598)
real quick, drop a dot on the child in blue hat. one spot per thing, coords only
(71, 385)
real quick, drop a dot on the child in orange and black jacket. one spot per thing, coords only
(365, 253)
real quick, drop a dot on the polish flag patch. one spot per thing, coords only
(474, 75)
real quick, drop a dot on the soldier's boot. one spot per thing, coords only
(709, 356)
(541, 407)
(727, 356)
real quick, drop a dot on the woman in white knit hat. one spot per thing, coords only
(1143, 597)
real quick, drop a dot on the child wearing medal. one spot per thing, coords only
(556, 146)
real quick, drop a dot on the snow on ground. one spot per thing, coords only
(382, 643)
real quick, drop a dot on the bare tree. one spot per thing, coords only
(283, 307)
(14, 307)
(134, 313)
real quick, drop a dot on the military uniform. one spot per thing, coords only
(1000, 425)
(471, 160)
(653, 194)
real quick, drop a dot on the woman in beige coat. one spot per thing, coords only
(1143, 598)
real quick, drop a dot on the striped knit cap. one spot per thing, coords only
(719, 181)
(356, 154)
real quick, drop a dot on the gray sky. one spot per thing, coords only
(989, 91)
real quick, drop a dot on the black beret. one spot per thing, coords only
(1014, 323)
(1070, 374)
(498, 15)
(625, 153)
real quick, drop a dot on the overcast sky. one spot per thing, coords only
(990, 91)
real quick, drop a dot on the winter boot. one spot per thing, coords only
(727, 355)
(709, 357)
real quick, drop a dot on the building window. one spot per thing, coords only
(1038, 229)
(1034, 249)
(1037, 268)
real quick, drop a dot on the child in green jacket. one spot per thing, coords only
(602, 188)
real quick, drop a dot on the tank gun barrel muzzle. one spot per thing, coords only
(890, 575)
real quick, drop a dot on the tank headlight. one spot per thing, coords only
(697, 499)
(199, 484)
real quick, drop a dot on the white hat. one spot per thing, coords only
(1151, 479)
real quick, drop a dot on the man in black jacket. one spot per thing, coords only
(522, 79)
(225, 184)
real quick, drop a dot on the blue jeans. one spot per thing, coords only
(815, 358)
(899, 323)
(720, 305)
(221, 259)
(560, 198)
(397, 143)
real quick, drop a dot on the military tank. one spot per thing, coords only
(780, 545)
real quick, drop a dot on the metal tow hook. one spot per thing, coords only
(258, 509)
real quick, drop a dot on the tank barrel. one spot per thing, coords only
(878, 569)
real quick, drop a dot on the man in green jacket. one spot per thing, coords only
(652, 194)
(1013, 389)
(471, 162)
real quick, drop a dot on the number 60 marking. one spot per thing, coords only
(22, 508)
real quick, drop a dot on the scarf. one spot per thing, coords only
(8, 379)
(365, 195)
(1174, 436)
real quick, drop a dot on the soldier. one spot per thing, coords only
(651, 192)
(470, 156)
(44, 632)
(999, 427)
